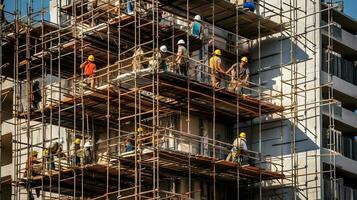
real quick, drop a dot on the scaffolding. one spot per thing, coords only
(136, 100)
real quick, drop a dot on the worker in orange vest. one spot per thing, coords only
(89, 69)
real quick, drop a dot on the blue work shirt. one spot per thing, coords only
(196, 29)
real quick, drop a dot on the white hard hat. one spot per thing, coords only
(61, 141)
(163, 48)
(181, 41)
(197, 17)
(87, 144)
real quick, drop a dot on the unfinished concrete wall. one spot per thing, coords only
(280, 57)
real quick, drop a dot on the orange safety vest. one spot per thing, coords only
(89, 69)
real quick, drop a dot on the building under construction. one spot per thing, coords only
(155, 119)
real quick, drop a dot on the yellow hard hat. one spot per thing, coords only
(77, 141)
(242, 135)
(34, 153)
(45, 152)
(91, 58)
(218, 52)
(244, 59)
(140, 129)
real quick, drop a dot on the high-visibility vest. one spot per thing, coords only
(213, 62)
(89, 69)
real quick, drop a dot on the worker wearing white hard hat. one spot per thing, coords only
(197, 27)
(87, 144)
(197, 18)
(91, 7)
(181, 42)
(163, 58)
(163, 48)
(181, 58)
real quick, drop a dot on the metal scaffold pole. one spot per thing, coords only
(146, 110)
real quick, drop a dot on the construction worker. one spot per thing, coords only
(128, 146)
(181, 58)
(140, 130)
(33, 168)
(129, 6)
(163, 61)
(138, 59)
(75, 158)
(89, 70)
(88, 155)
(250, 4)
(36, 95)
(239, 146)
(55, 149)
(92, 4)
(33, 165)
(215, 64)
(197, 27)
(163, 49)
(241, 77)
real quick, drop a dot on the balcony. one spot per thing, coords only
(340, 161)
(347, 23)
(342, 191)
(344, 42)
(348, 88)
(345, 119)
(344, 145)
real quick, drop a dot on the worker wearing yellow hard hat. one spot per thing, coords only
(33, 165)
(244, 59)
(238, 149)
(243, 135)
(77, 141)
(75, 158)
(215, 64)
(140, 130)
(218, 52)
(239, 75)
(91, 58)
(89, 68)
(34, 153)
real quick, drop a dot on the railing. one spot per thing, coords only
(166, 139)
(165, 19)
(122, 72)
(338, 192)
(197, 71)
(341, 144)
(340, 67)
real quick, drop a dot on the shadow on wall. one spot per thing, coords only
(274, 52)
(276, 138)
